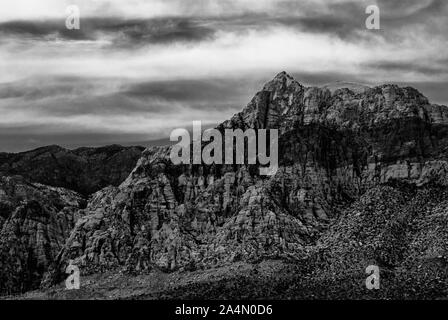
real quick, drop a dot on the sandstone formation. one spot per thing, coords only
(350, 160)
(37, 214)
(36, 221)
(334, 147)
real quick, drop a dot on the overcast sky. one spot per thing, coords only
(137, 69)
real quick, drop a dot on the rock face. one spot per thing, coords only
(36, 220)
(334, 146)
(358, 166)
(398, 227)
(84, 170)
(162, 217)
(37, 215)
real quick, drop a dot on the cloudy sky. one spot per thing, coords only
(136, 69)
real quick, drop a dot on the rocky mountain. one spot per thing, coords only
(84, 170)
(36, 220)
(37, 214)
(362, 180)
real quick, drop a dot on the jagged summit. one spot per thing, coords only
(283, 76)
(283, 102)
(282, 81)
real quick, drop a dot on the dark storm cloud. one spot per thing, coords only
(346, 20)
(342, 27)
(42, 29)
(90, 104)
(110, 104)
(36, 91)
(411, 9)
(124, 32)
(80, 96)
(157, 30)
(207, 92)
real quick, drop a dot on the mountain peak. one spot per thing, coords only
(283, 75)
(281, 82)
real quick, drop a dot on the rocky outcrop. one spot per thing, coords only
(84, 170)
(170, 218)
(397, 227)
(37, 215)
(335, 145)
(37, 219)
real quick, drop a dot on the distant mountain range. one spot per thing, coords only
(84, 170)
(362, 181)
